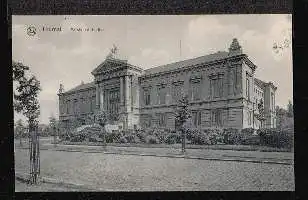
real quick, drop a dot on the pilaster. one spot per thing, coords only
(97, 95)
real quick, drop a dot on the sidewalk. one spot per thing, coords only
(284, 158)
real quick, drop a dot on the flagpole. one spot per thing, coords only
(180, 49)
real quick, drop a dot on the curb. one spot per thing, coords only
(23, 177)
(238, 159)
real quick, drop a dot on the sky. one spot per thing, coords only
(69, 56)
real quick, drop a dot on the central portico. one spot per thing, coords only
(117, 94)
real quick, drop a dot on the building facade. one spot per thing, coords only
(222, 90)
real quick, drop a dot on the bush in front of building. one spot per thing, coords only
(248, 131)
(215, 135)
(192, 133)
(232, 136)
(276, 138)
(152, 139)
(173, 138)
(121, 140)
(141, 134)
(249, 138)
(131, 138)
(114, 136)
(205, 136)
(200, 138)
(161, 134)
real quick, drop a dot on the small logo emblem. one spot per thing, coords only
(31, 31)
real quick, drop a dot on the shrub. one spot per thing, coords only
(122, 139)
(161, 134)
(251, 140)
(232, 136)
(276, 138)
(173, 138)
(77, 138)
(132, 138)
(113, 137)
(200, 138)
(248, 131)
(151, 139)
(141, 135)
(191, 133)
(215, 135)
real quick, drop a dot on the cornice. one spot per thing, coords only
(234, 60)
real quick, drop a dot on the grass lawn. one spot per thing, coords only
(139, 173)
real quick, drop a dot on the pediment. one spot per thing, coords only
(109, 64)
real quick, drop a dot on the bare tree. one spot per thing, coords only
(26, 102)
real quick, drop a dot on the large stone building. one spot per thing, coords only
(222, 91)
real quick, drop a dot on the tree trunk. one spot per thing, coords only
(183, 140)
(34, 153)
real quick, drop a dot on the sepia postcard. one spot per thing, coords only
(153, 103)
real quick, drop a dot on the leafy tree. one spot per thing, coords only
(181, 118)
(26, 102)
(285, 117)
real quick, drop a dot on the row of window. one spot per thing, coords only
(216, 119)
(195, 91)
(74, 106)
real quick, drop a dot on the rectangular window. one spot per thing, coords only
(161, 119)
(249, 118)
(216, 87)
(248, 88)
(177, 92)
(114, 101)
(161, 90)
(195, 91)
(147, 96)
(217, 117)
(148, 121)
(75, 106)
(196, 118)
(67, 107)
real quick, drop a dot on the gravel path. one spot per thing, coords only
(139, 173)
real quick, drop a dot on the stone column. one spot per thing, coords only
(102, 98)
(127, 92)
(121, 92)
(97, 96)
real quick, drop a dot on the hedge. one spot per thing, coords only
(276, 138)
(206, 136)
(232, 136)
